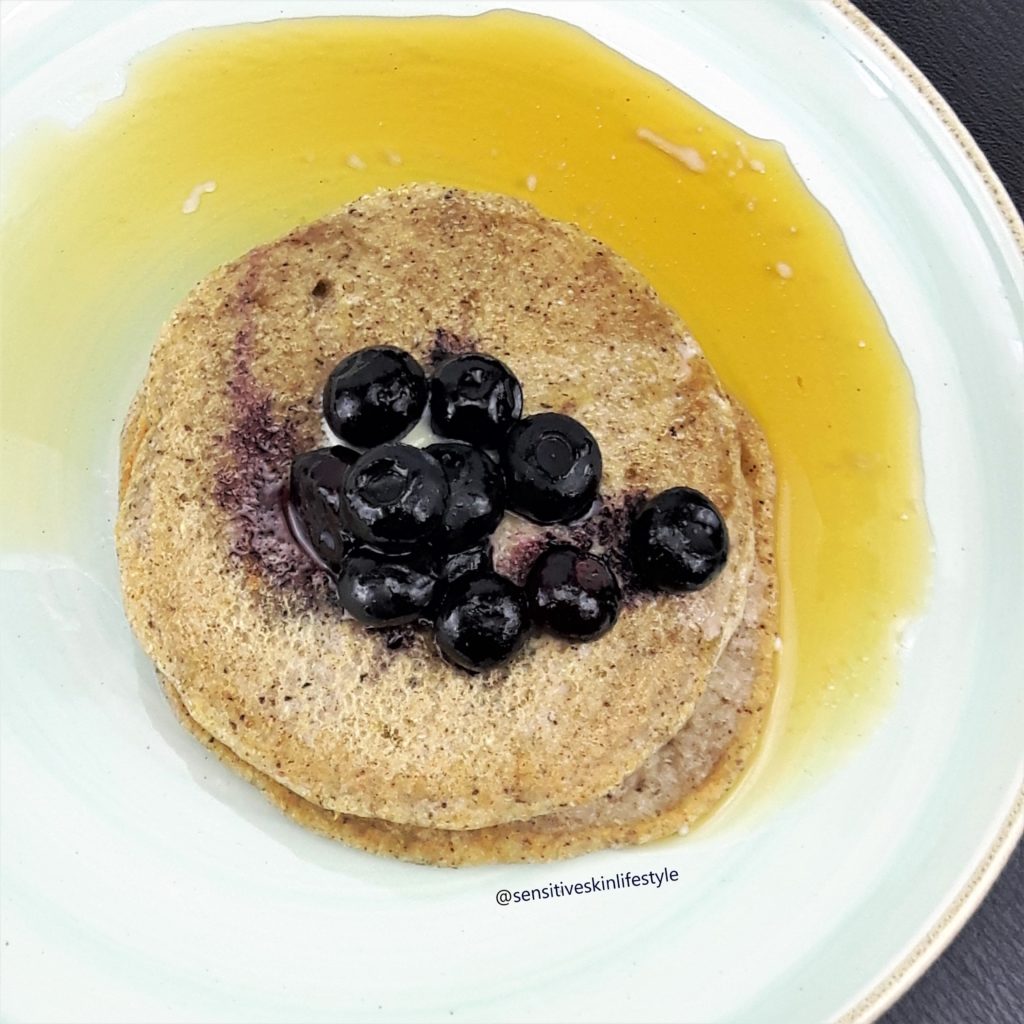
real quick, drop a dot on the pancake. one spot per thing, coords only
(373, 723)
(675, 786)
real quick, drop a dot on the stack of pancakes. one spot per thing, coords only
(367, 735)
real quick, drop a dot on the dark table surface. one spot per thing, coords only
(973, 53)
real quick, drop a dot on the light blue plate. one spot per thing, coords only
(135, 891)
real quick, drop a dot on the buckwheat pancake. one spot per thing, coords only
(675, 786)
(365, 722)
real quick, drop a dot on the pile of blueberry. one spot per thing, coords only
(405, 531)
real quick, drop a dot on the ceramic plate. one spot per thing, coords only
(142, 881)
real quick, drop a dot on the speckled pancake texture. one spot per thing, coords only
(671, 790)
(373, 724)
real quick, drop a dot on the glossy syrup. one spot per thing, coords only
(228, 137)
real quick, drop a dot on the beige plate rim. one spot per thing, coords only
(955, 914)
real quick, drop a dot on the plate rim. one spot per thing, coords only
(949, 919)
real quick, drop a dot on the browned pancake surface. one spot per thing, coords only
(377, 726)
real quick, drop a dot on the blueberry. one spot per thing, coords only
(476, 494)
(472, 560)
(475, 398)
(374, 395)
(552, 468)
(382, 590)
(483, 620)
(314, 497)
(573, 593)
(394, 497)
(678, 541)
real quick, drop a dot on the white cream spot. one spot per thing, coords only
(784, 270)
(531, 183)
(355, 162)
(394, 158)
(686, 155)
(191, 204)
(757, 165)
(688, 347)
(862, 343)
(751, 205)
(419, 437)
(777, 643)
(686, 353)
(720, 400)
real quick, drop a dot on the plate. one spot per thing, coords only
(143, 882)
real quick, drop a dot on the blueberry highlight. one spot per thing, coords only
(475, 398)
(374, 395)
(483, 621)
(381, 590)
(314, 494)
(573, 593)
(552, 468)
(678, 541)
(463, 563)
(394, 497)
(476, 494)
